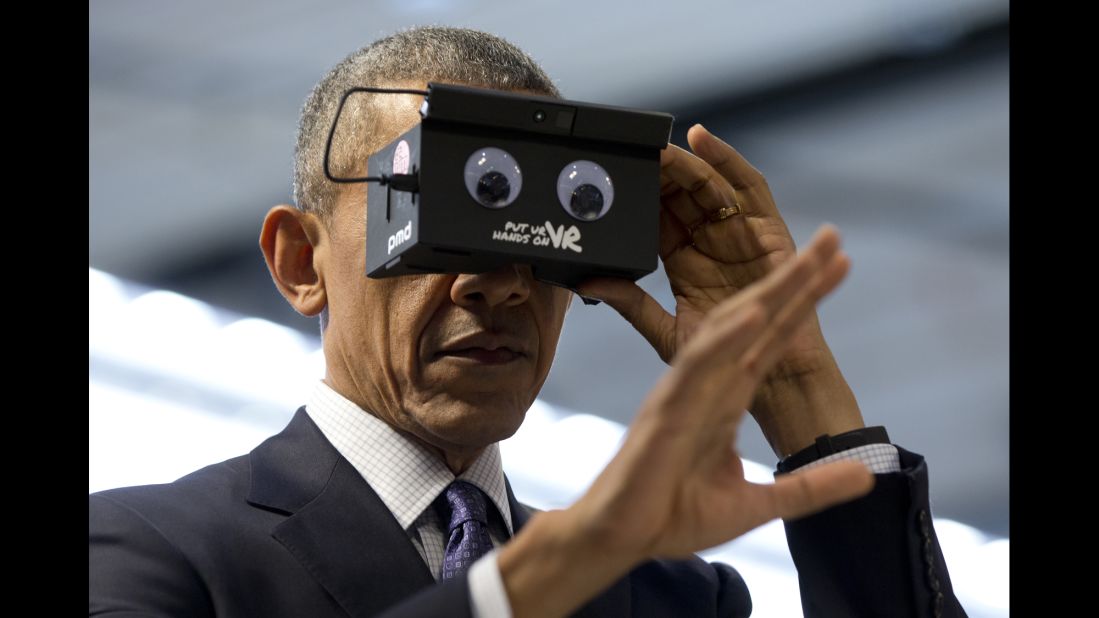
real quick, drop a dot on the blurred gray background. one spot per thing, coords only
(887, 118)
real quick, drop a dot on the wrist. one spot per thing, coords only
(794, 408)
(827, 445)
(551, 569)
(808, 357)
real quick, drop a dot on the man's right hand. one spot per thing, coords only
(677, 485)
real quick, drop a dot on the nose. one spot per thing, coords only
(507, 286)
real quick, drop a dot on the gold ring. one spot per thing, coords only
(723, 213)
(720, 214)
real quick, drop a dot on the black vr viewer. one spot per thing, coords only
(490, 178)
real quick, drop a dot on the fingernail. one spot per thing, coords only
(704, 145)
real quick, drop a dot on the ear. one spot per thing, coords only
(289, 239)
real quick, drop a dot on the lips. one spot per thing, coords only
(488, 357)
(484, 348)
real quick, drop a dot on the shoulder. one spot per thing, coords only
(214, 487)
(148, 545)
(298, 458)
(192, 516)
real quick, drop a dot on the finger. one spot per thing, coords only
(725, 159)
(796, 290)
(711, 354)
(770, 347)
(753, 336)
(657, 326)
(692, 399)
(803, 493)
(639, 308)
(684, 174)
(674, 235)
(781, 286)
(742, 176)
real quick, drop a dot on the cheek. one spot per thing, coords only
(551, 322)
(410, 307)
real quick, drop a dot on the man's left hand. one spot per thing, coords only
(720, 231)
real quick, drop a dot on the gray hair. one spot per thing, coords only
(414, 56)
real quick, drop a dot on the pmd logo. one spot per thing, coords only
(400, 237)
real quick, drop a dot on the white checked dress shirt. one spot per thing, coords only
(408, 478)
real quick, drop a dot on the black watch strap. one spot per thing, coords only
(826, 445)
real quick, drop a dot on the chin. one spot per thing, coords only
(476, 424)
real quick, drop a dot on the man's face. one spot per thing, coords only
(456, 360)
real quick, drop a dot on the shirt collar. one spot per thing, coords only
(404, 473)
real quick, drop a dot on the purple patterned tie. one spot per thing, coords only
(468, 529)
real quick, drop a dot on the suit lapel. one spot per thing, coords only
(614, 601)
(343, 534)
(338, 528)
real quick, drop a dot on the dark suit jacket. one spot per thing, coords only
(292, 529)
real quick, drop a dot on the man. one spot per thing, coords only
(389, 478)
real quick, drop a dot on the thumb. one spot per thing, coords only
(799, 494)
(639, 308)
